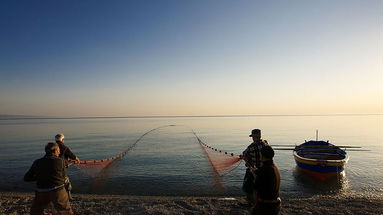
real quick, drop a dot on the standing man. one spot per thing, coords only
(49, 174)
(267, 183)
(252, 158)
(66, 154)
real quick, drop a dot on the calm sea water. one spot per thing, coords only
(169, 161)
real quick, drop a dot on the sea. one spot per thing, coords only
(168, 160)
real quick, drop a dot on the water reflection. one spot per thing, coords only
(308, 184)
(170, 161)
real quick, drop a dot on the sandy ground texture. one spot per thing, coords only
(19, 203)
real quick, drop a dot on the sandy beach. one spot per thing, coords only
(19, 203)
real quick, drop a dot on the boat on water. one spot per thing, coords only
(320, 158)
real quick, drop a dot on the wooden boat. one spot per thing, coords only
(320, 158)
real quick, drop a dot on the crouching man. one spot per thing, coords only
(49, 174)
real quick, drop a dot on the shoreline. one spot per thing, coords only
(19, 203)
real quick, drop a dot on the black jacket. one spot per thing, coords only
(48, 172)
(65, 152)
(268, 181)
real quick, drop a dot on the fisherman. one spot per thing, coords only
(267, 183)
(252, 159)
(66, 154)
(49, 174)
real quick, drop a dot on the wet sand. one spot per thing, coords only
(19, 203)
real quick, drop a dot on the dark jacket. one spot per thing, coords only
(267, 181)
(48, 172)
(65, 152)
(252, 154)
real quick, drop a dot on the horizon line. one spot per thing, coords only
(21, 117)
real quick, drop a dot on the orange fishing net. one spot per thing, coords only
(221, 162)
(94, 167)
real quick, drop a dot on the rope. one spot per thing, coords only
(216, 169)
(108, 161)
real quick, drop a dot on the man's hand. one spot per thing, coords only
(77, 161)
(253, 168)
(253, 171)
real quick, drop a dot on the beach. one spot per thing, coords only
(19, 203)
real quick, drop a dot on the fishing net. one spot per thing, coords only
(94, 167)
(100, 170)
(221, 162)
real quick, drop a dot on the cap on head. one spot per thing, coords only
(59, 137)
(255, 132)
(267, 152)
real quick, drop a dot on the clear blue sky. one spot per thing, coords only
(132, 58)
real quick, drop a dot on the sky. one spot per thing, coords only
(159, 58)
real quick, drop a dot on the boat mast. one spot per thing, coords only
(317, 135)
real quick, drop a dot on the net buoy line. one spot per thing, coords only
(220, 161)
(106, 161)
(221, 166)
